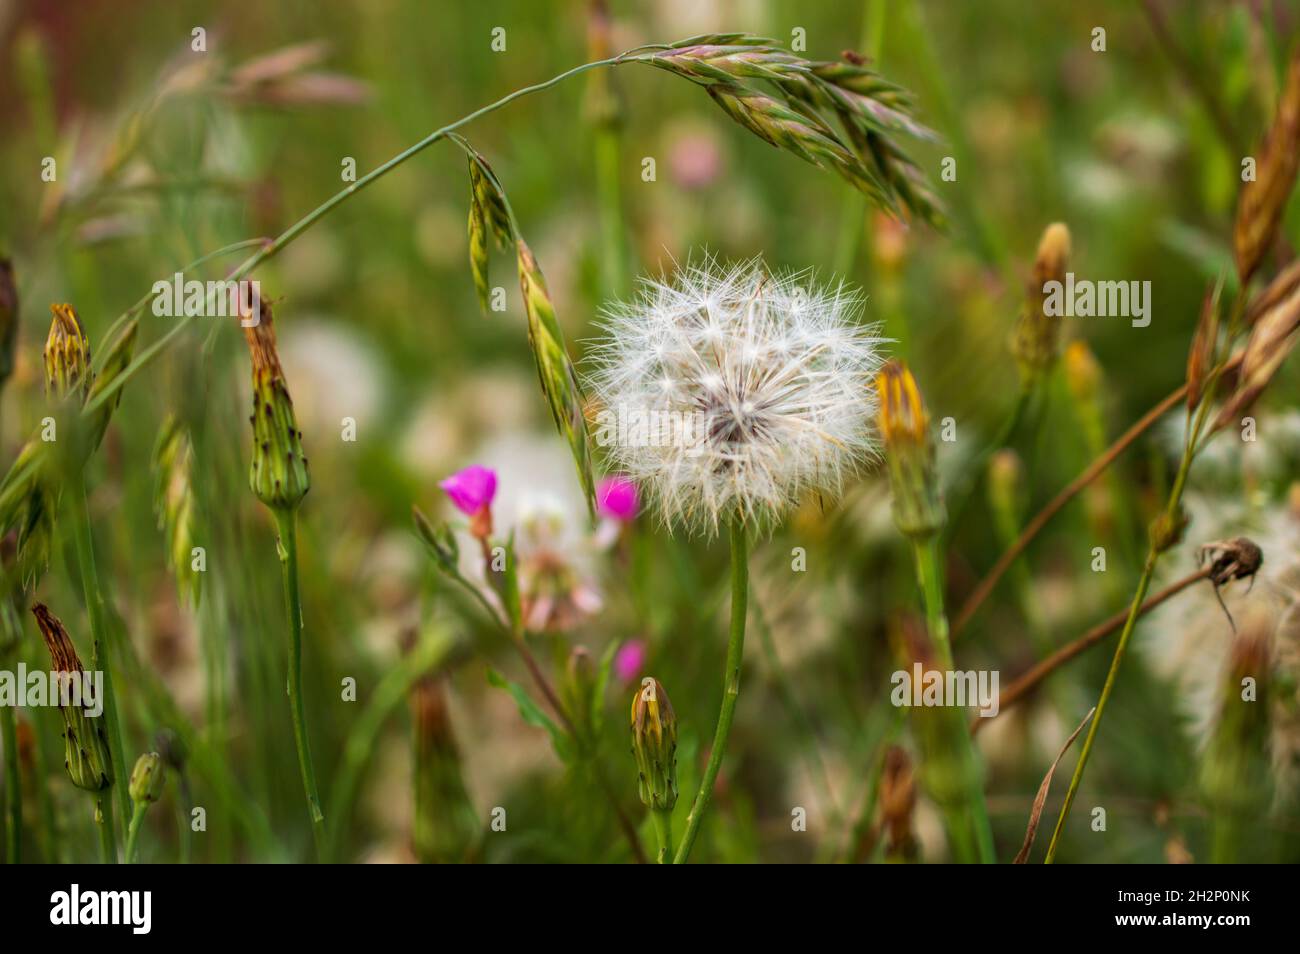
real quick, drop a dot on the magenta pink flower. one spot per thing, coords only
(628, 660)
(616, 498)
(471, 489)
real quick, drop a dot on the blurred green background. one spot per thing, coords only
(164, 153)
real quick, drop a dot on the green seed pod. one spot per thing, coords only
(86, 753)
(147, 778)
(67, 355)
(654, 744)
(278, 475)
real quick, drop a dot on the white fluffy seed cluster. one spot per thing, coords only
(1189, 639)
(728, 393)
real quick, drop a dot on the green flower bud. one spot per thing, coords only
(1036, 342)
(909, 450)
(147, 778)
(86, 753)
(578, 689)
(278, 475)
(439, 539)
(654, 744)
(67, 355)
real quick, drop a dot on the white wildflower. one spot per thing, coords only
(728, 393)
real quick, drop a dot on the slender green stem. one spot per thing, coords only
(968, 821)
(730, 686)
(133, 831)
(287, 523)
(930, 576)
(1195, 426)
(13, 784)
(101, 656)
(104, 822)
(663, 823)
(1144, 583)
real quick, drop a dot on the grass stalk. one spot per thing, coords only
(730, 687)
(1023, 685)
(1171, 512)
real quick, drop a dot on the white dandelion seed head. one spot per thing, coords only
(728, 392)
(1189, 639)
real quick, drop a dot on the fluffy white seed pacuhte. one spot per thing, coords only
(728, 393)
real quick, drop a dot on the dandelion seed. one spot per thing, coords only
(764, 382)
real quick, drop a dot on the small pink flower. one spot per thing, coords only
(695, 161)
(616, 498)
(472, 489)
(628, 661)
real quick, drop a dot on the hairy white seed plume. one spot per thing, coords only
(727, 393)
(1189, 639)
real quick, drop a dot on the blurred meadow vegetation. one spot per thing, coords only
(164, 154)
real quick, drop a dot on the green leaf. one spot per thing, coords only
(533, 715)
(601, 687)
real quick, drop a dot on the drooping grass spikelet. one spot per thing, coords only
(1264, 199)
(554, 369)
(802, 101)
(487, 216)
(174, 503)
(728, 393)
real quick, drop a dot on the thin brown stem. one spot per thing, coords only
(1022, 686)
(1044, 516)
